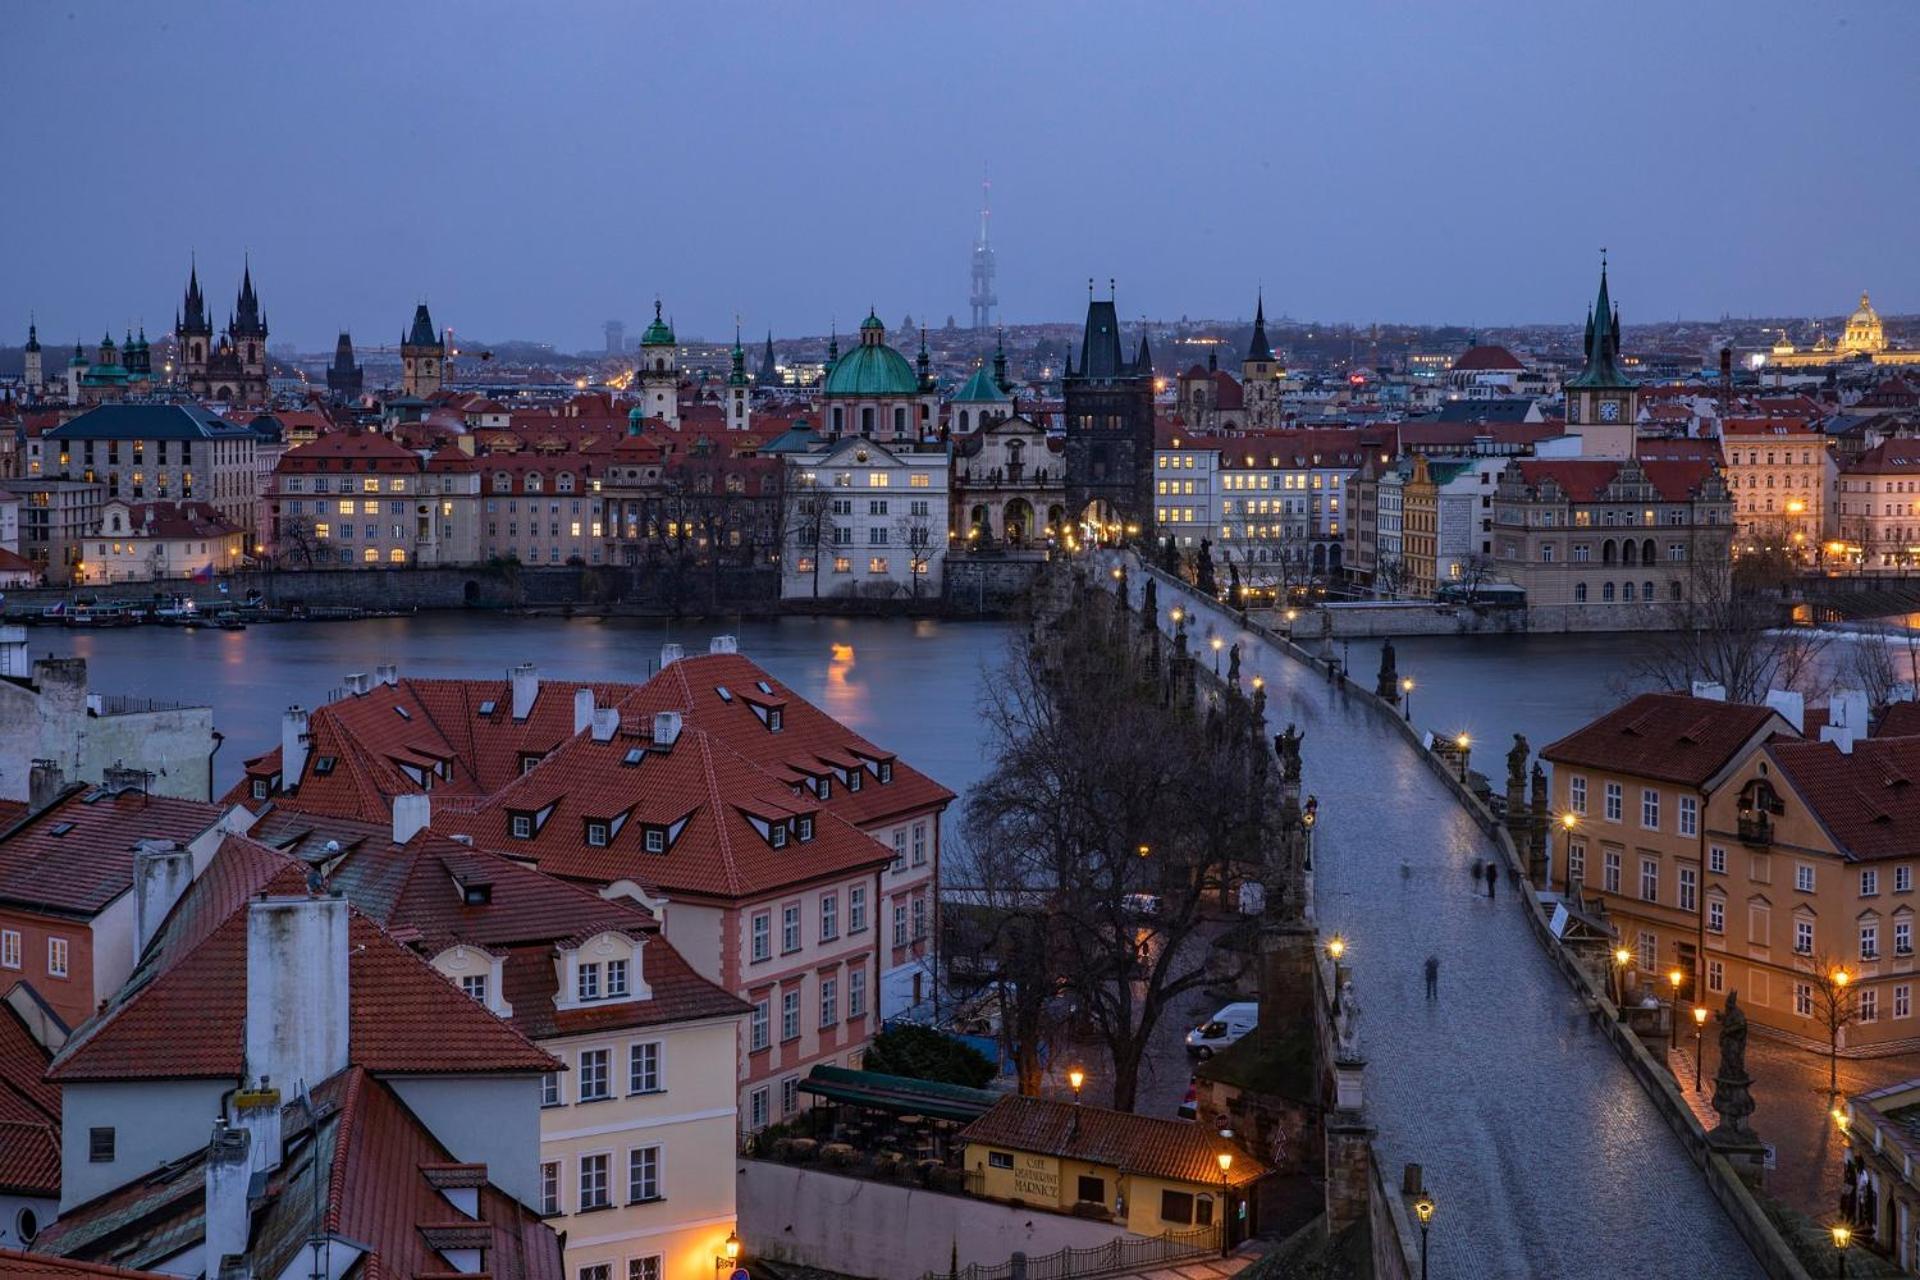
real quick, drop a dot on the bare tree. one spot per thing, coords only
(1836, 1005)
(1126, 844)
(916, 533)
(809, 526)
(296, 540)
(1732, 630)
(1476, 571)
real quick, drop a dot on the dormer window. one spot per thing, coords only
(616, 978)
(522, 826)
(823, 788)
(886, 772)
(656, 840)
(477, 895)
(853, 780)
(804, 827)
(527, 761)
(587, 981)
(597, 834)
(474, 985)
(260, 788)
(773, 719)
(777, 835)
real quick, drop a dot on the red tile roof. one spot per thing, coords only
(1677, 449)
(1587, 479)
(183, 1014)
(29, 1113)
(39, 1266)
(1901, 720)
(1770, 428)
(350, 450)
(1488, 359)
(1665, 736)
(76, 855)
(1180, 1150)
(1899, 456)
(177, 520)
(1868, 800)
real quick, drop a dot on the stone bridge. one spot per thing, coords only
(1856, 596)
(1544, 1153)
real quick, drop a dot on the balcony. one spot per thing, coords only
(1756, 828)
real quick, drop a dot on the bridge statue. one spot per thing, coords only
(1287, 746)
(1733, 1098)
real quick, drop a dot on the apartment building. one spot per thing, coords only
(155, 541)
(56, 519)
(1636, 785)
(162, 453)
(1782, 477)
(1879, 503)
(356, 498)
(542, 508)
(879, 517)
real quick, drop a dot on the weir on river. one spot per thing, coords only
(1542, 1152)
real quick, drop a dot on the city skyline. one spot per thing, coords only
(1458, 169)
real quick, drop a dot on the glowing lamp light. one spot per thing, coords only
(1675, 978)
(1621, 955)
(1336, 946)
(1699, 1015)
(1226, 1162)
(1462, 742)
(1423, 1209)
(732, 1247)
(1842, 1235)
(1569, 821)
(1841, 977)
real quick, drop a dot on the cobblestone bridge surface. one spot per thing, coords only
(1545, 1157)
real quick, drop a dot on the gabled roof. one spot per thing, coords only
(29, 1113)
(367, 1170)
(1488, 359)
(183, 1013)
(1588, 479)
(1868, 800)
(1670, 737)
(1179, 1150)
(76, 855)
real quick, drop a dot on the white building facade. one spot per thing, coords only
(873, 520)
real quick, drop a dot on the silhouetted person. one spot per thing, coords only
(1433, 977)
(1493, 878)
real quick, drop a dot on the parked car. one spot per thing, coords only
(1225, 1027)
(1145, 905)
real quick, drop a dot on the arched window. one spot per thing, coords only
(1626, 590)
(1646, 593)
(397, 556)
(838, 426)
(1647, 552)
(866, 420)
(1607, 551)
(1629, 551)
(371, 555)
(1579, 593)
(1606, 592)
(900, 420)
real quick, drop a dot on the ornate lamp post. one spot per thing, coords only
(1568, 821)
(1226, 1204)
(1699, 1042)
(1621, 958)
(1842, 1241)
(1406, 694)
(1216, 644)
(1423, 1209)
(1075, 1078)
(729, 1255)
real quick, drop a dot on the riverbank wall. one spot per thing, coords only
(1743, 1208)
(1381, 619)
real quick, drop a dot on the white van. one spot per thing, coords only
(1224, 1028)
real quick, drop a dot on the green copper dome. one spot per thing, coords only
(981, 389)
(659, 333)
(873, 368)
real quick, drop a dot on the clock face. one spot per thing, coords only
(1609, 411)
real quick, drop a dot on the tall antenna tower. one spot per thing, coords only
(981, 296)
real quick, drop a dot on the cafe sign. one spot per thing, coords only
(1036, 1178)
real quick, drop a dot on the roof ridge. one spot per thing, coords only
(715, 798)
(350, 1104)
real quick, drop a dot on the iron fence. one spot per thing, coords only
(1118, 1256)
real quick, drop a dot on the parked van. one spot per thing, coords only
(1224, 1028)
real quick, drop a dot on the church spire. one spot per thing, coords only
(1000, 361)
(1259, 350)
(1602, 368)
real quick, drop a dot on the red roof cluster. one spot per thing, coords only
(1588, 479)
(76, 855)
(1668, 736)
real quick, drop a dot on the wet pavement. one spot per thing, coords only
(1544, 1155)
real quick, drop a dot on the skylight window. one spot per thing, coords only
(324, 765)
(726, 694)
(59, 828)
(486, 708)
(403, 713)
(633, 756)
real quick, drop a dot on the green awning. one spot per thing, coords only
(900, 1095)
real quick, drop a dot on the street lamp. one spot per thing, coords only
(1423, 1210)
(1568, 821)
(1840, 980)
(729, 1253)
(1075, 1078)
(1259, 682)
(1842, 1241)
(1699, 1042)
(1336, 946)
(1406, 693)
(1226, 1203)
(1215, 644)
(1176, 613)
(1620, 958)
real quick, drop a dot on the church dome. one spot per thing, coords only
(659, 333)
(981, 389)
(1865, 315)
(873, 368)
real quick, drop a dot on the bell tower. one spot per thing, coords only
(1603, 403)
(423, 356)
(739, 399)
(193, 328)
(659, 372)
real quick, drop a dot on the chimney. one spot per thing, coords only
(1791, 706)
(387, 673)
(45, 782)
(670, 654)
(116, 778)
(293, 747)
(412, 814)
(257, 1111)
(724, 644)
(1711, 690)
(229, 1218)
(297, 988)
(582, 709)
(162, 870)
(358, 683)
(606, 723)
(525, 680)
(13, 653)
(1846, 719)
(666, 729)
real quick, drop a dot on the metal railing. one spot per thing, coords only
(1122, 1255)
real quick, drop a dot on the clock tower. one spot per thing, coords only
(1603, 403)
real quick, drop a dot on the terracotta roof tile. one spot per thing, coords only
(76, 855)
(1665, 736)
(1182, 1150)
(1867, 799)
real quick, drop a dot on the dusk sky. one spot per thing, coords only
(535, 169)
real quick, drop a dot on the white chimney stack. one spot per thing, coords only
(1791, 706)
(666, 728)
(582, 709)
(162, 870)
(293, 747)
(1846, 719)
(606, 723)
(297, 1006)
(670, 654)
(412, 814)
(724, 644)
(525, 680)
(229, 1220)
(358, 683)
(257, 1113)
(387, 673)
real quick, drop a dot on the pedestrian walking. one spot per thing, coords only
(1406, 871)
(1433, 977)
(1479, 870)
(1493, 878)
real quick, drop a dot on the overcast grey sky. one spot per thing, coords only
(533, 169)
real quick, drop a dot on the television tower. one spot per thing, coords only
(982, 297)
